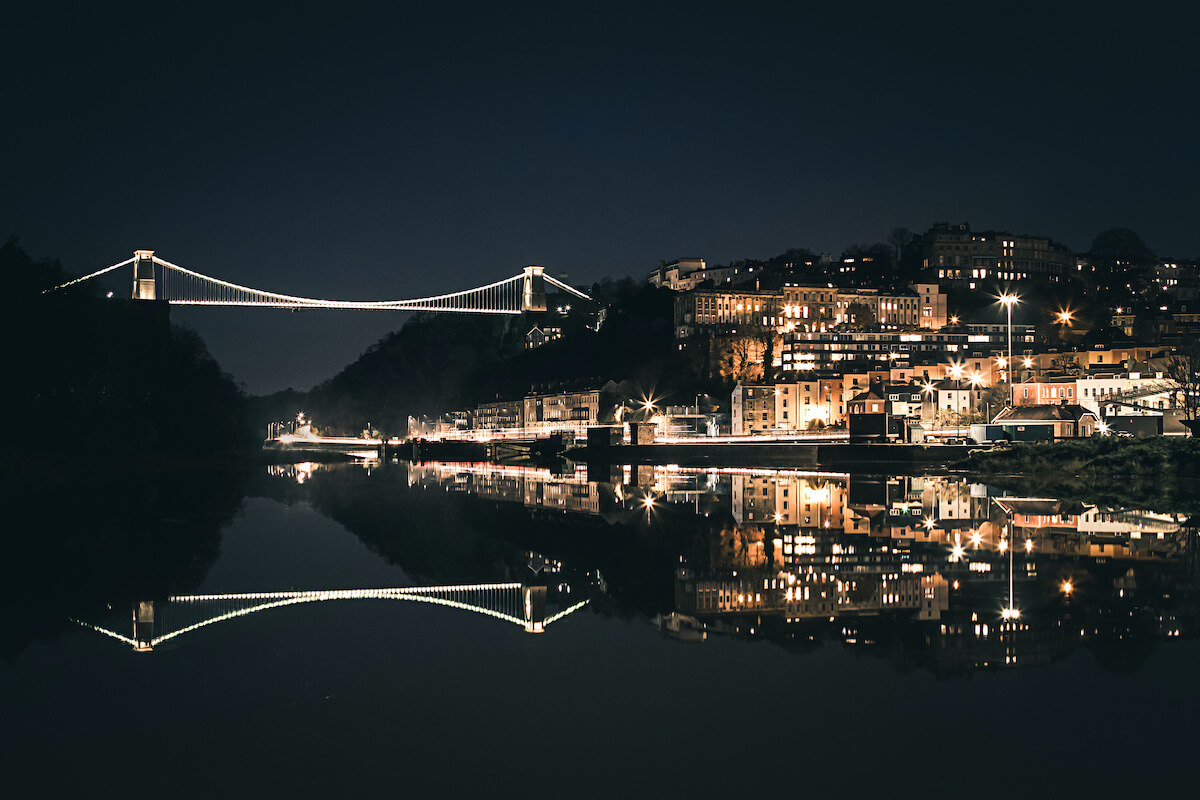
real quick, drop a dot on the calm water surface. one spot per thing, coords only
(628, 632)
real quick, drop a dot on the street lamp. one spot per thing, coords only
(956, 371)
(1009, 300)
(976, 379)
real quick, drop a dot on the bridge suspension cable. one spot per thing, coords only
(95, 274)
(182, 286)
(508, 602)
(158, 279)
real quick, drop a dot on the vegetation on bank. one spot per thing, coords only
(1158, 473)
(91, 373)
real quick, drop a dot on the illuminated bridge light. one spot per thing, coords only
(502, 601)
(179, 285)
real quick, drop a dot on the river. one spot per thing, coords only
(372, 629)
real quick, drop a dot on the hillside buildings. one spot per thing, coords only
(809, 309)
(962, 256)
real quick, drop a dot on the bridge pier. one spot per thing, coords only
(144, 282)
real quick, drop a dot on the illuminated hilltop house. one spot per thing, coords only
(541, 334)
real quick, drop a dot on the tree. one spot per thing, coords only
(1122, 264)
(768, 337)
(995, 398)
(740, 357)
(875, 263)
(1065, 363)
(860, 315)
(1184, 368)
(900, 239)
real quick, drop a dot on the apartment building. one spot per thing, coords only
(957, 254)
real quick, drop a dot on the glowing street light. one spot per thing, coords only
(1009, 300)
(956, 372)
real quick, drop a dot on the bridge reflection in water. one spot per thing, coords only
(157, 622)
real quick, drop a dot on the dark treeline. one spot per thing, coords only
(92, 373)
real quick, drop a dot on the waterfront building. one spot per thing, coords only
(956, 401)
(574, 411)
(499, 415)
(1068, 420)
(789, 407)
(753, 409)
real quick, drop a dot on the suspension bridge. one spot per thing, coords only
(157, 622)
(157, 279)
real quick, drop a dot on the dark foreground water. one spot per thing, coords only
(619, 634)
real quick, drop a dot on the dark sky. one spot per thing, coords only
(382, 151)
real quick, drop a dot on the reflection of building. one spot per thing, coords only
(877, 560)
(807, 596)
(533, 487)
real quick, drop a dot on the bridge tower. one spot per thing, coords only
(535, 609)
(533, 290)
(143, 625)
(144, 284)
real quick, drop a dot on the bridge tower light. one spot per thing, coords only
(535, 608)
(533, 289)
(144, 283)
(143, 626)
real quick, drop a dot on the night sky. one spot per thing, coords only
(385, 151)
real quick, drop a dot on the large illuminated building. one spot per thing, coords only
(958, 255)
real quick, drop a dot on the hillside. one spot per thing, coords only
(442, 362)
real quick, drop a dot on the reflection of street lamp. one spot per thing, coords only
(1012, 612)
